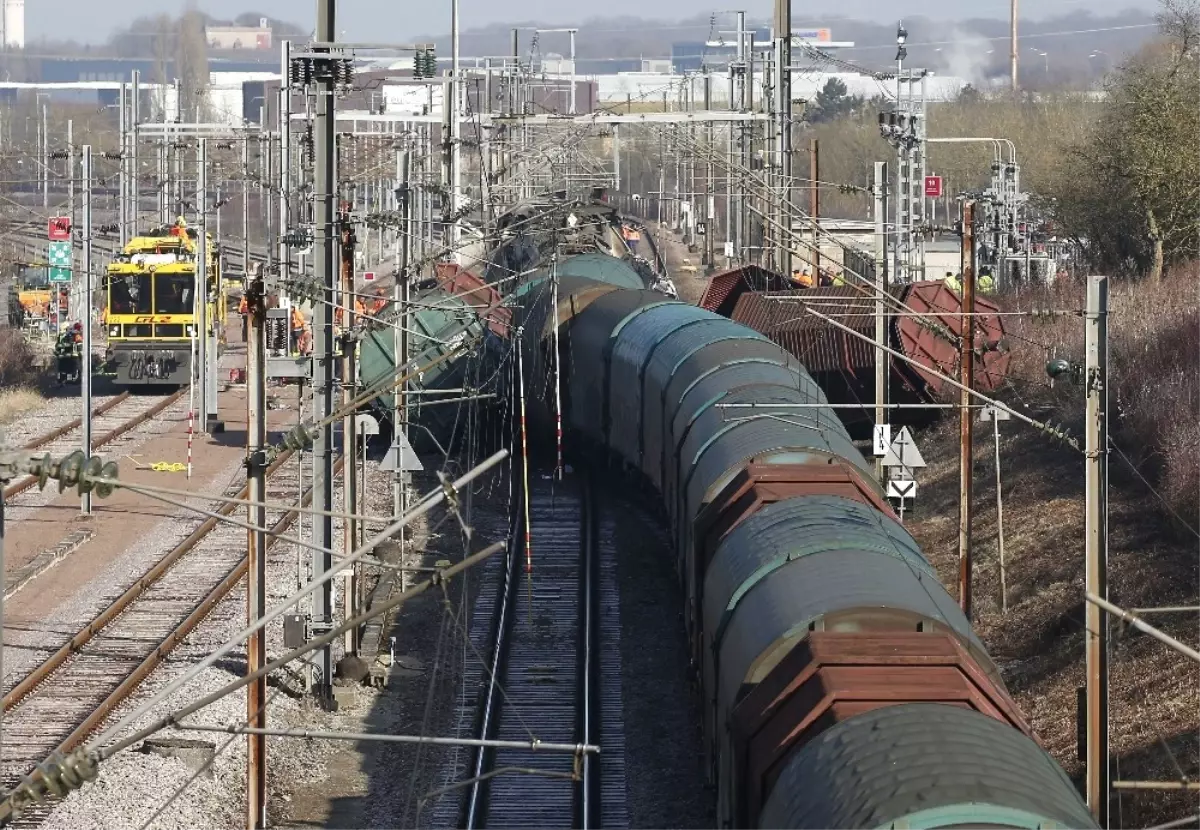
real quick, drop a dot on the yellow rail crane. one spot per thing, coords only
(151, 312)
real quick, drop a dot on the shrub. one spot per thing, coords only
(1154, 383)
(19, 362)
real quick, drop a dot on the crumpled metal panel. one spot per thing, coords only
(435, 330)
(816, 344)
(930, 764)
(927, 329)
(632, 348)
(856, 586)
(723, 289)
(480, 296)
(933, 339)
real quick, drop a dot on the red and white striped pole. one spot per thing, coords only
(558, 431)
(191, 403)
(191, 430)
(524, 457)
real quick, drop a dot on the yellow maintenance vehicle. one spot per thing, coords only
(151, 315)
(29, 296)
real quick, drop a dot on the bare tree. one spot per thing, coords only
(1133, 186)
(191, 61)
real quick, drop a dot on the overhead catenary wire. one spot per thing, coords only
(35, 784)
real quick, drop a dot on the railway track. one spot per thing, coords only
(556, 666)
(111, 421)
(43, 440)
(71, 694)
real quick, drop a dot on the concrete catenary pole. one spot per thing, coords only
(323, 266)
(814, 201)
(202, 321)
(349, 437)
(882, 358)
(135, 114)
(285, 160)
(783, 113)
(256, 573)
(400, 294)
(1014, 55)
(122, 166)
(85, 317)
(1096, 546)
(966, 424)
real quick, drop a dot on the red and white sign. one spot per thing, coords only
(60, 228)
(369, 276)
(933, 187)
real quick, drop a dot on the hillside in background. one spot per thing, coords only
(1073, 50)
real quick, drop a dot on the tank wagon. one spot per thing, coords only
(842, 686)
(455, 309)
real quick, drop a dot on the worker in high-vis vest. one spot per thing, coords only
(298, 331)
(802, 279)
(244, 310)
(986, 284)
(953, 282)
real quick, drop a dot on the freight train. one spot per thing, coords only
(842, 686)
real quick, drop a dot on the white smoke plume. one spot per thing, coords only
(967, 57)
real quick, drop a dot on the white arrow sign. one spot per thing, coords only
(903, 452)
(902, 489)
(882, 439)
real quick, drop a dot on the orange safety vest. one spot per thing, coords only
(297, 319)
(243, 306)
(359, 308)
(801, 279)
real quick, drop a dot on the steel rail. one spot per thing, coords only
(78, 422)
(25, 483)
(511, 669)
(181, 631)
(89, 631)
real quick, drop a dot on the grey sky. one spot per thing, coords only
(394, 20)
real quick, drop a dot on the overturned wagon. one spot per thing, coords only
(925, 325)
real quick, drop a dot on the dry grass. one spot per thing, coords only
(1154, 346)
(16, 402)
(1152, 560)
